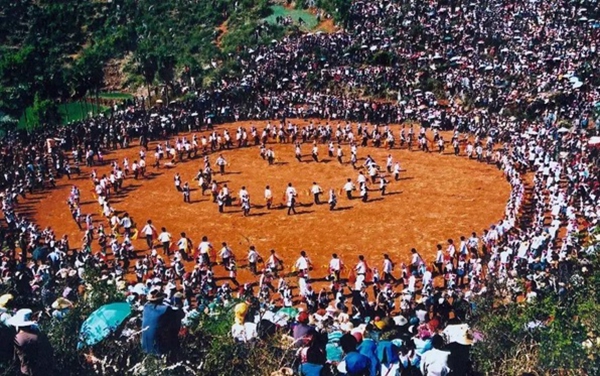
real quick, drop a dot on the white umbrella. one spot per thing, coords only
(373, 48)
(194, 114)
(577, 85)
(153, 115)
(455, 58)
(593, 141)
(563, 130)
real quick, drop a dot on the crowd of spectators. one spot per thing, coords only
(519, 76)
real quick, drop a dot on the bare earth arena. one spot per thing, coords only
(437, 196)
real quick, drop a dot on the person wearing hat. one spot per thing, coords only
(160, 326)
(32, 347)
(61, 307)
(302, 330)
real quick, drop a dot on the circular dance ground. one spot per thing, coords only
(437, 197)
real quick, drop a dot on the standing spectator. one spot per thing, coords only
(159, 326)
(32, 347)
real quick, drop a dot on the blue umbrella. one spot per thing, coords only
(102, 322)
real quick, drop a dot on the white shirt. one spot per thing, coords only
(361, 268)
(148, 230)
(387, 266)
(335, 264)
(302, 263)
(164, 237)
(435, 363)
(290, 192)
(225, 252)
(252, 256)
(204, 247)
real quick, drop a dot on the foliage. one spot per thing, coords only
(58, 49)
(545, 337)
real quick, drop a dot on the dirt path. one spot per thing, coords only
(222, 31)
(327, 26)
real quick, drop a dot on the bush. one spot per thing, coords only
(545, 337)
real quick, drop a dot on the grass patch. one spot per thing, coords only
(69, 112)
(75, 111)
(296, 14)
(115, 95)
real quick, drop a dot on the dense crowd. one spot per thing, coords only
(518, 77)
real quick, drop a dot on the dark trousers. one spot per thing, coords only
(149, 241)
(205, 258)
(389, 277)
(165, 246)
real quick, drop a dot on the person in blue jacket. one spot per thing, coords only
(356, 364)
(160, 326)
(368, 347)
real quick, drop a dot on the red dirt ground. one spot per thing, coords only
(439, 197)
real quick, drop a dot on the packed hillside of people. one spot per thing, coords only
(517, 78)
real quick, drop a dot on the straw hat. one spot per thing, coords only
(285, 371)
(5, 299)
(62, 303)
